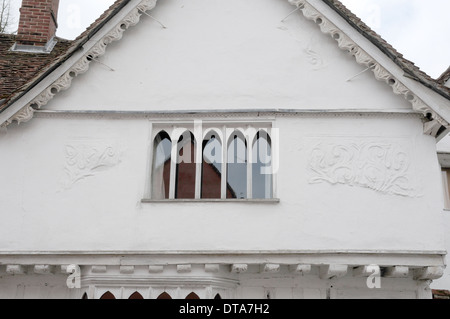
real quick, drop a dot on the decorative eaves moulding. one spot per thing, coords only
(363, 58)
(133, 18)
(82, 65)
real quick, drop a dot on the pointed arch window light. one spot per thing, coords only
(212, 162)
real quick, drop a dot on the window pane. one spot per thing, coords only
(262, 167)
(161, 166)
(212, 168)
(237, 167)
(185, 175)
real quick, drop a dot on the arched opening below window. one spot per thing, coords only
(107, 295)
(136, 295)
(192, 295)
(85, 296)
(217, 296)
(164, 295)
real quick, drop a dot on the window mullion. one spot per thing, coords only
(198, 167)
(223, 187)
(249, 150)
(198, 157)
(173, 168)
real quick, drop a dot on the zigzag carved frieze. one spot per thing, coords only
(309, 12)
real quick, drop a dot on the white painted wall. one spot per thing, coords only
(100, 209)
(444, 282)
(238, 56)
(226, 55)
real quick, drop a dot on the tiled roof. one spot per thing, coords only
(19, 72)
(18, 68)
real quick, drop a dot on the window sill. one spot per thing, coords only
(206, 200)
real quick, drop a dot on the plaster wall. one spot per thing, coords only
(71, 184)
(444, 282)
(226, 55)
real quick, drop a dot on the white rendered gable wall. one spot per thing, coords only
(237, 56)
(79, 180)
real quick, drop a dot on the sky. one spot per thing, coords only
(419, 29)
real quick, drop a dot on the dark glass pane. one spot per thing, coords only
(185, 175)
(237, 167)
(262, 167)
(212, 168)
(161, 166)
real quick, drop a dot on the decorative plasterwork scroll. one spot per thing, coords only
(88, 158)
(363, 58)
(82, 66)
(384, 167)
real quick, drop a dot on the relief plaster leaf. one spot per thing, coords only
(314, 58)
(382, 167)
(88, 159)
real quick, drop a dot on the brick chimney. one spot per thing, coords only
(37, 24)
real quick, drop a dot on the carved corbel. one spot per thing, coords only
(184, 268)
(396, 272)
(44, 269)
(300, 269)
(16, 269)
(270, 268)
(239, 268)
(333, 271)
(366, 271)
(126, 270)
(429, 273)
